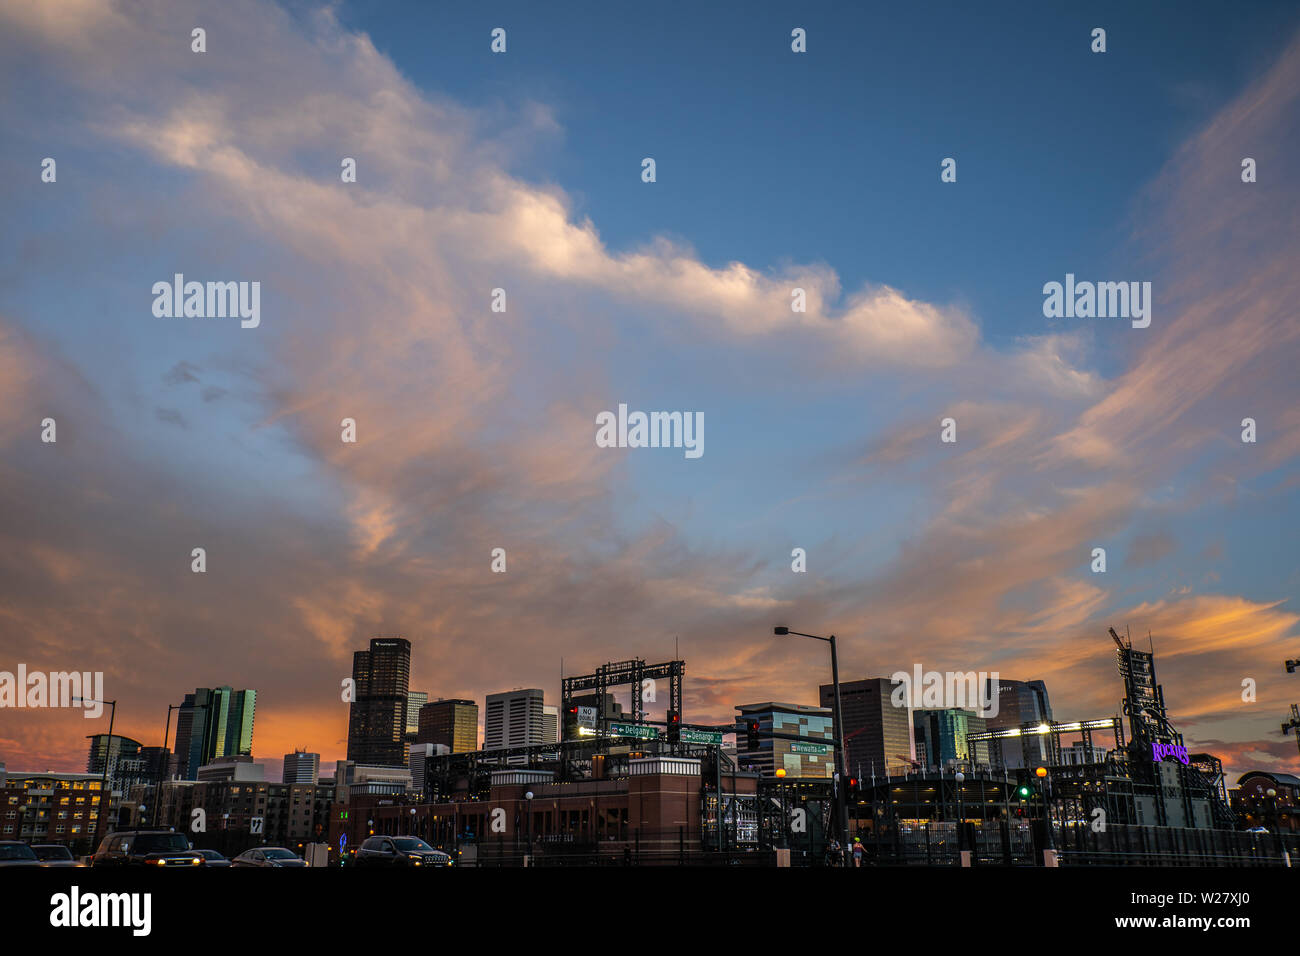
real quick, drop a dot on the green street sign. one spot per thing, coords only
(713, 737)
(818, 749)
(639, 731)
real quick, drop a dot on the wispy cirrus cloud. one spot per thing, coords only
(475, 427)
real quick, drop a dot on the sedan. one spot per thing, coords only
(13, 853)
(54, 854)
(212, 858)
(268, 856)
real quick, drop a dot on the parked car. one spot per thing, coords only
(146, 846)
(55, 854)
(399, 851)
(13, 853)
(268, 856)
(212, 858)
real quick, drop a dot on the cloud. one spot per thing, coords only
(475, 428)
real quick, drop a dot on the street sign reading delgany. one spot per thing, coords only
(634, 730)
(713, 737)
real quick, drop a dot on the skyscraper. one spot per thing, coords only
(414, 701)
(941, 736)
(213, 722)
(514, 719)
(877, 735)
(1020, 702)
(301, 767)
(377, 719)
(452, 723)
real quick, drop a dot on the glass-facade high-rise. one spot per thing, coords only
(1020, 703)
(941, 736)
(453, 723)
(213, 722)
(381, 679)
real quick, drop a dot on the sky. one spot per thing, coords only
(522, 171)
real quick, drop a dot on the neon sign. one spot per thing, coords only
(1161, 751)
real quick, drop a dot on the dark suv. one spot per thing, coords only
(399, 851)
(146, 847)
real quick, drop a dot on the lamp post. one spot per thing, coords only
(528, 823)
(108, 749)
(1044, 775)
(841, 765)
(780, 776)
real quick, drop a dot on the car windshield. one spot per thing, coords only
(53, 853)
(411, 845)
(279, 855)
(212, 855)
(16, 852)
(160, 843)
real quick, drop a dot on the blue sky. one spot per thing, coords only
(774, 170)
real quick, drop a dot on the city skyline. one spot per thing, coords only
(1010, 715)
(477, 429)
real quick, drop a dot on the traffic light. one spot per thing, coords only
(751, 734)
(1024, 791)
(674, 727)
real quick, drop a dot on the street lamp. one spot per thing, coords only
(528, 822)
(1043, 775)
(780, 775)
(108, 749)
(841, 765)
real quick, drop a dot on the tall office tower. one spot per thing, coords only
(213, 722)
(1020, 702)
(941, 735)
(550, 724)
(301, 767)
(189, 743)
(230, 722)
(514, 719)
(877, 735)
(414, 701)
(377, 719)
(453, 723)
